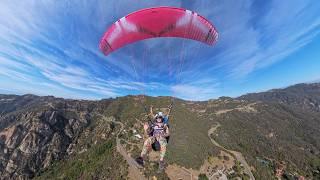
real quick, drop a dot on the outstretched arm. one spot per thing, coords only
(146, 129)
(151, 109)
(151, 115)
(169, 110)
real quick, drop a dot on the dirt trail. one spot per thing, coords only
(134, 171)
(133, 165)
(249, 108)
(235, 154)
(177, 172)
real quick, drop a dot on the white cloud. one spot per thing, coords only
(56, 42)
(287, 26)
(252, 39)
(201, 89)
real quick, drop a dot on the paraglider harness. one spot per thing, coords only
(152, 124)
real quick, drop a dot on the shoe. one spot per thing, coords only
(161, 166)
(140, 161)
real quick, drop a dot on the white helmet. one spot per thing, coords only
(160, 114)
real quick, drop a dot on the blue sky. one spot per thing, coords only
(51, 48)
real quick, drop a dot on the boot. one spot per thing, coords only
(161, 166)
(140, 161)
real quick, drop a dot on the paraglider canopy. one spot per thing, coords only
(158, 22)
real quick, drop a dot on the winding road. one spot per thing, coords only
(133, 165)
(235, 154)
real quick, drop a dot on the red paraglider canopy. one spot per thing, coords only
(158, 22)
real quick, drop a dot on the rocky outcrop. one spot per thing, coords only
(39, 136)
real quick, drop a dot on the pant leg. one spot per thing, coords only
(147, 146)
(163, 148)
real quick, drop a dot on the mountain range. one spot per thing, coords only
(266, 135)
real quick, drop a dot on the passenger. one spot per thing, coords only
(158, 131)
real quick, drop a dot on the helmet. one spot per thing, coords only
(160, 114)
